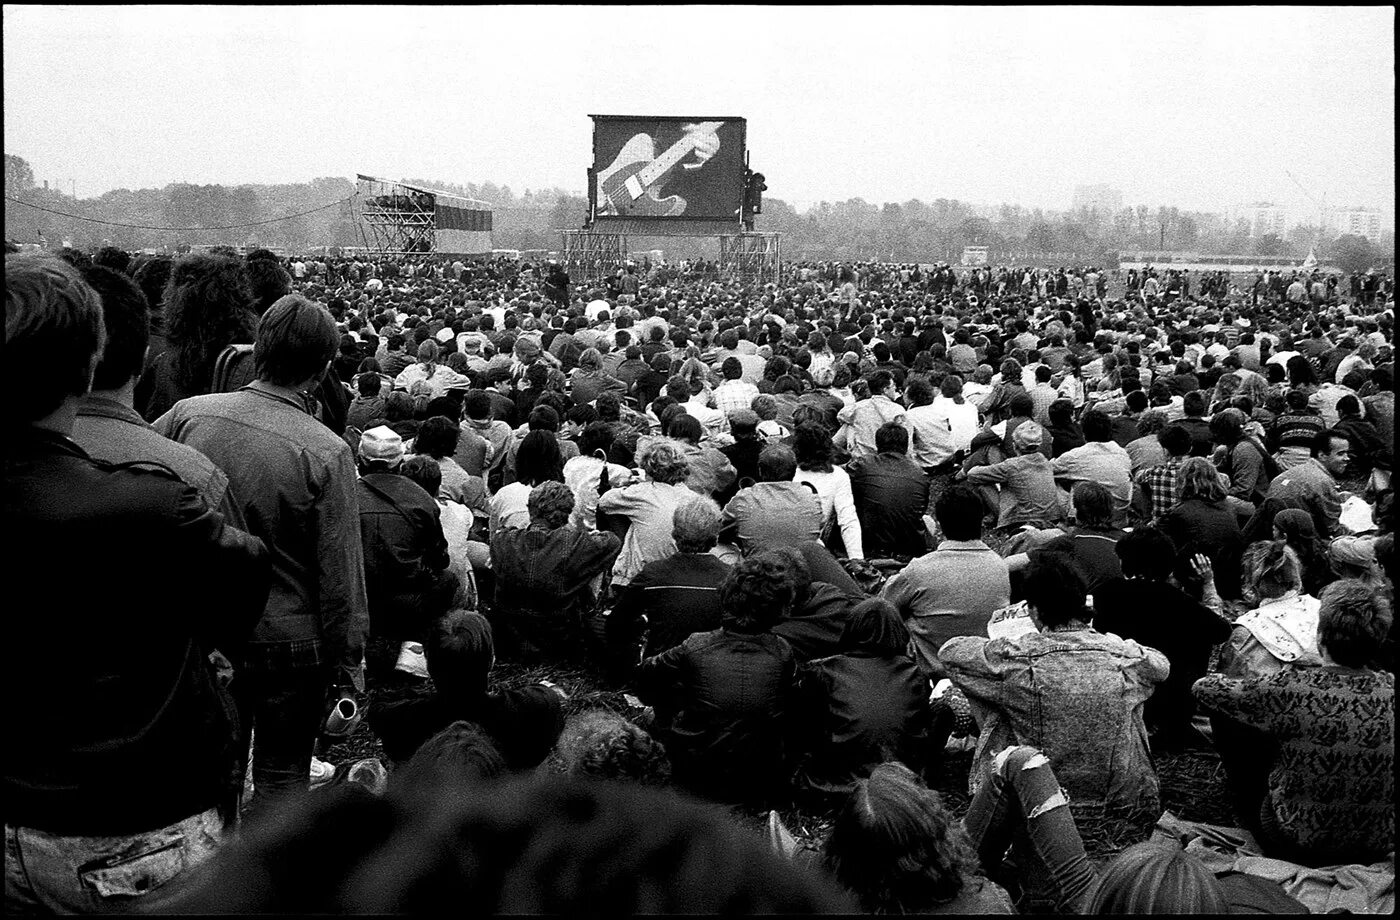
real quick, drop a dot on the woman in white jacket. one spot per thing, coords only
(814, 449)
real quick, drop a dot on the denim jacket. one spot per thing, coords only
(1075, 694)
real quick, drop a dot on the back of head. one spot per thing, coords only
(208, 305)
(663, 461)
(424, 471)
(539, 458)
(1156, 878)
(743, 423)
(695, 525)
(126, 319)
(529, 846)
(896, 847)
(437, 437)
(1175, 440)
(757, 593)
(875, 628)
(1022, 405)
(269, 281)
(457, 758)
(296, 339)
(53, 332)
(959, 513)
(1093, 504)
(1097, 426)
(602, 744)
(892, 437)
(776, 463)
(1353, 623)
(685, 427)
(460, 650)
(1055, 590)
(1200, 480)
(1274, 570)
(1146, 553)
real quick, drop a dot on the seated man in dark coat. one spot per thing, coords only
(460, 649)
(724, 699)
(864, 707)
(816, 624)
(544, 575)
(406, 577)
(891, 494)
(673, 597)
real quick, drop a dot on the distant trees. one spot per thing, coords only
(1352, 253)
(854, 229)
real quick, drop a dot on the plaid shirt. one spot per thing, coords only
(1162, 485)
(734, 394)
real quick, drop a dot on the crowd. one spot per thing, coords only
(819, 529)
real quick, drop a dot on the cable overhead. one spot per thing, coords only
(113, 223)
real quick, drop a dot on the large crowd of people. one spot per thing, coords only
(818, 530)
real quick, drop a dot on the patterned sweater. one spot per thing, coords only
(1332, 788)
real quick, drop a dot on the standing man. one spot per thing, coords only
(120, 749)
(296, 483)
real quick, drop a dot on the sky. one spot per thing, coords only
(1199, 107)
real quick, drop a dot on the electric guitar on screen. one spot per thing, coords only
(630, 186)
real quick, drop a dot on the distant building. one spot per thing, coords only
(1264, 218)
(1359, 221)
(1102, 198)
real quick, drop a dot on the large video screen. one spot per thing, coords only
(688, 168)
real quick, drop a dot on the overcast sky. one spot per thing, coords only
(1198, 107)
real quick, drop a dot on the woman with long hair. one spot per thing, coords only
(1203, 522)
(589, 380)
(537, 460)
(1296, 528)
(208, 306)
(814, 449)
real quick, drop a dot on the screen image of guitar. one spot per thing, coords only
(631, 186)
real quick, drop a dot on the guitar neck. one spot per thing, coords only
(675, 153)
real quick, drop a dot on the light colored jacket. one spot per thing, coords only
(1078, 696)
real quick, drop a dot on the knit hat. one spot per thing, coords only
(1028, 435)
(382, 443)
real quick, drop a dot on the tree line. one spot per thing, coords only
(852, 230)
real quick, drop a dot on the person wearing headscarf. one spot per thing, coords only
(461, 650)
(1295, 527)
(866, 706)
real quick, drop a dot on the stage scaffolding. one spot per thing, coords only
(591, 255)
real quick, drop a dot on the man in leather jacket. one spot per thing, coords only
(122, 749)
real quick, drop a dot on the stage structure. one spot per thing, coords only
(671, 176)
(396, 218)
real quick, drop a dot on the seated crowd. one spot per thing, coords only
(811, 530)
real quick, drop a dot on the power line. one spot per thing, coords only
(112, 223)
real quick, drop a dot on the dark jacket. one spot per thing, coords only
(678, 595)
(524, 724)
(723, 703)
(816, 626)
(891, 494)
(1202, 442)
(1163, 617)
(1065, 438)
(401, 531)
(117, 726)
(1368, 450)
(543, 585)
(863, 711)
(1212, 528)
